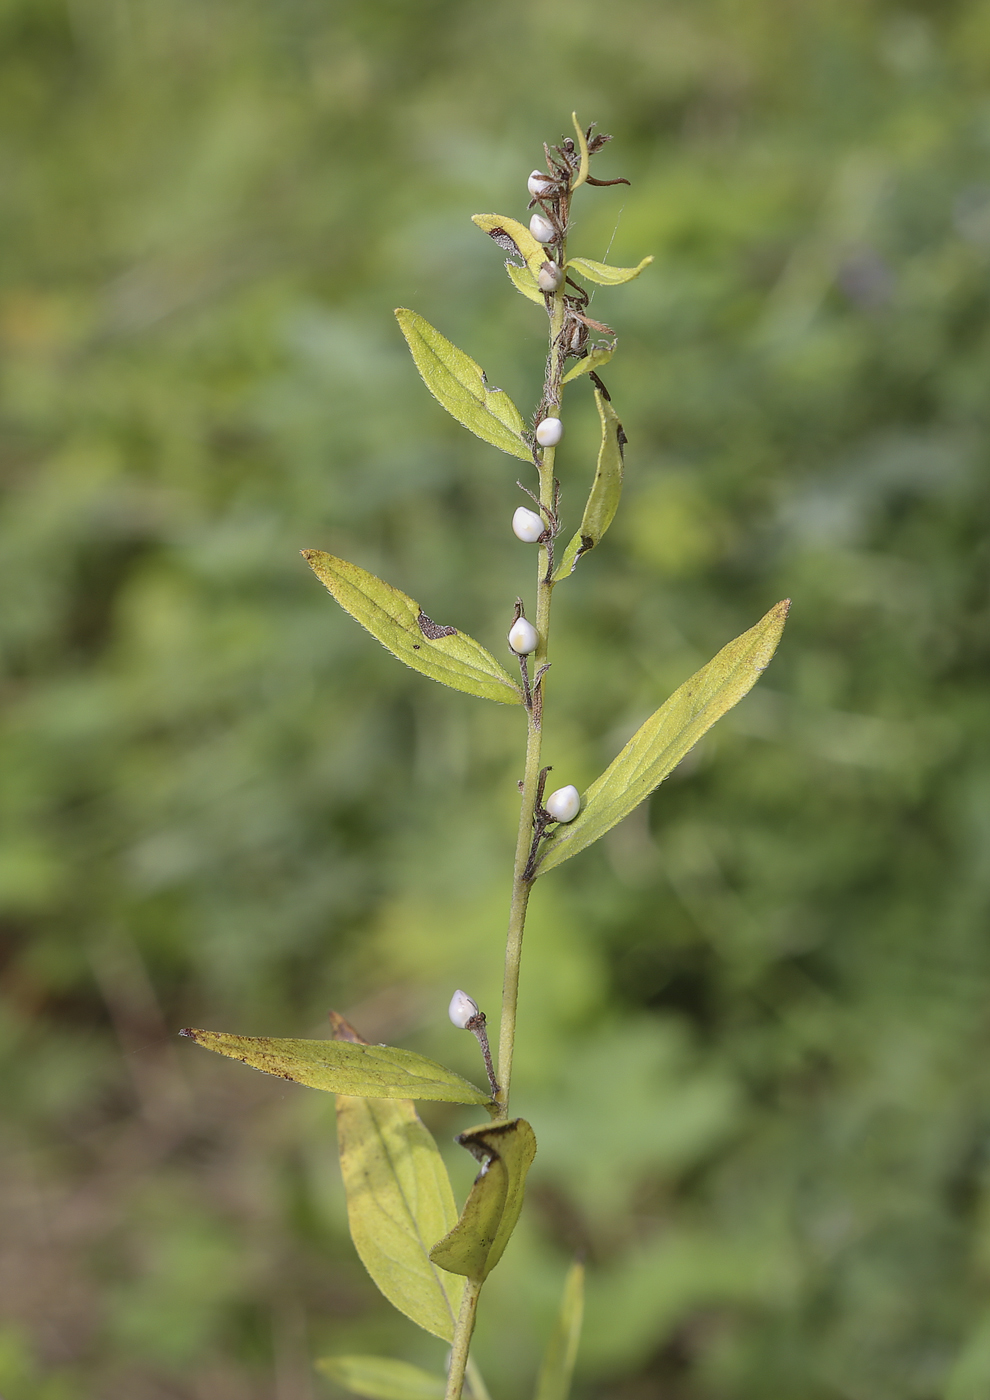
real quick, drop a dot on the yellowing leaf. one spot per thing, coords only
(513, 237)
(595, 358)
(373, 1071)
(558, 1359)
(475, 1244)
(524, 281)
(582, 173)
(456, 382)
(381, 1378)
(606, 489)
(399, 623)
(604, 275)
(660, 744)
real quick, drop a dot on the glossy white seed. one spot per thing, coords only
(541, 229)
(527, 525)
(462, 1009)
(523, 637)
(564, 804)
(549, 433)
(538, 182)
(549, 277)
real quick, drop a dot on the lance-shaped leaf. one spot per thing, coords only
(603, 274)
(459, 384)
(660, 744)
(475, 1244)
(373, 1071)
(513, 237)
(524, 281)
(595, 358)
(381, 1378)
(558, 1360)
(401, 625)
(582, 173)
(603, 499)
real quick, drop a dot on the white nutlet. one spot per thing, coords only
(523, 637)
(462, 1009)
(549, 432)
(564, 804)
(541, 229)
(527, 525)
(538, 183)
(549, 277)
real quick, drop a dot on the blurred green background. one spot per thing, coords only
(755, 1035)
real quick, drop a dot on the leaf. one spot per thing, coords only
(603, 499)
(558, 1360)
(604, 275)
(595, 358)
(399, 623)
(374, 1071)
(475, 1244)
(582, 173)
(381, 1378)
(661, 743)
(459, 384)
(513, 237)
(524, 281)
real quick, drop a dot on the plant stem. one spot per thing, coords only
(462, 1340)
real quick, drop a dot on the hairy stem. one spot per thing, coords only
(462, 1340)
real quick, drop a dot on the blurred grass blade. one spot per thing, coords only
(456, 382)
(373, 1071)
(558, 1360)
(524, 281)
(661, 743)
(399, 623)
(513, 237)
(603, 499)
(582, 173)
(600, 355)
(603, 274)
(475, 1244)
(382, 1379)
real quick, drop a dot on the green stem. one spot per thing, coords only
(462, 1340)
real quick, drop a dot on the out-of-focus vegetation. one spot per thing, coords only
(223, 805)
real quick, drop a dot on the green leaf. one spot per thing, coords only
(582, 173)
(475, 1244)
(399, 623)
(459, 384)
(558, 1360)
(374, 1071)
(604, 275)
(513, 237)
(603, 499)
(381, 1378)
(661, 743)
(595, 358)
(524, 281)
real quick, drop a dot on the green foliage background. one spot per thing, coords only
(754, 1027)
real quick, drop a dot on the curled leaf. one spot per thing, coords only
(459, 384)
(596, 357)
(558, 1360)
(380, 1378)
(372, 1071)
(400, 624)
(582, 173)
(603, 499)
(603, 274)
(524, 281)
(513, 237)
(475, 1244)
(660, 744)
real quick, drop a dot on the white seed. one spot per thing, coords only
(549, 277)
(462, 1009)
(527, 525)
(564, 804)
(538, 182)
(523, 637)
(549, 432)
(541, 229)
